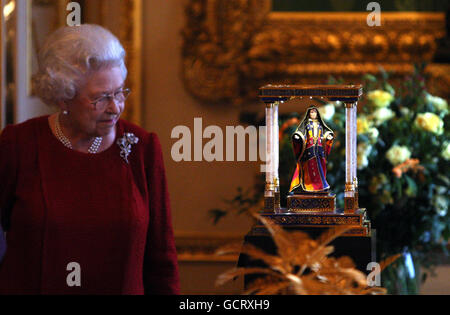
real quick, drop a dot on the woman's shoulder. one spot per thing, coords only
(28, 124)
(129, 127)
(23, 132)
(146, 138)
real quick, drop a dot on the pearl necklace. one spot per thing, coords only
(93, 149)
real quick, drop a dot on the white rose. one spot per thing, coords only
(405, 111)
(373, 134)
(398, 154)
(440, 204)
(439, 103)
(363, 151)
(327, 111)
(381, 115)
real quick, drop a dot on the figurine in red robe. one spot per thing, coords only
(312, 142)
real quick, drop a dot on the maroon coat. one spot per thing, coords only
(61, 206)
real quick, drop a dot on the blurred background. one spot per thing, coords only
(206, 59)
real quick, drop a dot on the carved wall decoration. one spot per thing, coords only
(216, 42)
(232, 47)
(439, 83)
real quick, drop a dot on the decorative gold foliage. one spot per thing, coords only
(389, 261)
(302, 265)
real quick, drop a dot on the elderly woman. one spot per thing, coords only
(83, 194)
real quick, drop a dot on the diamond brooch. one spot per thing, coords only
(125, 144)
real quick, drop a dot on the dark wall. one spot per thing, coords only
(358, 5)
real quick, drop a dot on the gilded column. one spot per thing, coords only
(350, 160)
(355, 153)
(276, 157)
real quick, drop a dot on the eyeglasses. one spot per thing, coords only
(119, 96)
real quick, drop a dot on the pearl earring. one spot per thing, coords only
(65, 112)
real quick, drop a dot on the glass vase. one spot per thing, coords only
(402, 276)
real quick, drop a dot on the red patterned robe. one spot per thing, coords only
(311, 148)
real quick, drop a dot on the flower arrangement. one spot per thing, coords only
(403, 168)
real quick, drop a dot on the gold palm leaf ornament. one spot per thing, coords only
(302, 265)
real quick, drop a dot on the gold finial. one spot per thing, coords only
(349, 187)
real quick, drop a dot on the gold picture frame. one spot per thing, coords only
(233, 47)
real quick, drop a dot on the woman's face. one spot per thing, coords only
(313, 114)
(88, 119)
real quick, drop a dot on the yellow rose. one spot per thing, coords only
(362, 125)
(430, 122)
(380, 98)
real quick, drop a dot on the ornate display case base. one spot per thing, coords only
(358, 242)
(358, 222)
(323, 203)
(361, 249)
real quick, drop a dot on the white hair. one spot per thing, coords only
(69, 55)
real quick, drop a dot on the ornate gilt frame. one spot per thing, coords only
(233, 47)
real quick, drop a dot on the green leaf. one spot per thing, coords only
(398, 188)
(444, 179)
(411, 190)
(387, 87)
(216, 215)
(369, 77)
(384, 73)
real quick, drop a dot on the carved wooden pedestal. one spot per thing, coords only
(311, 203)
(358, 222)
